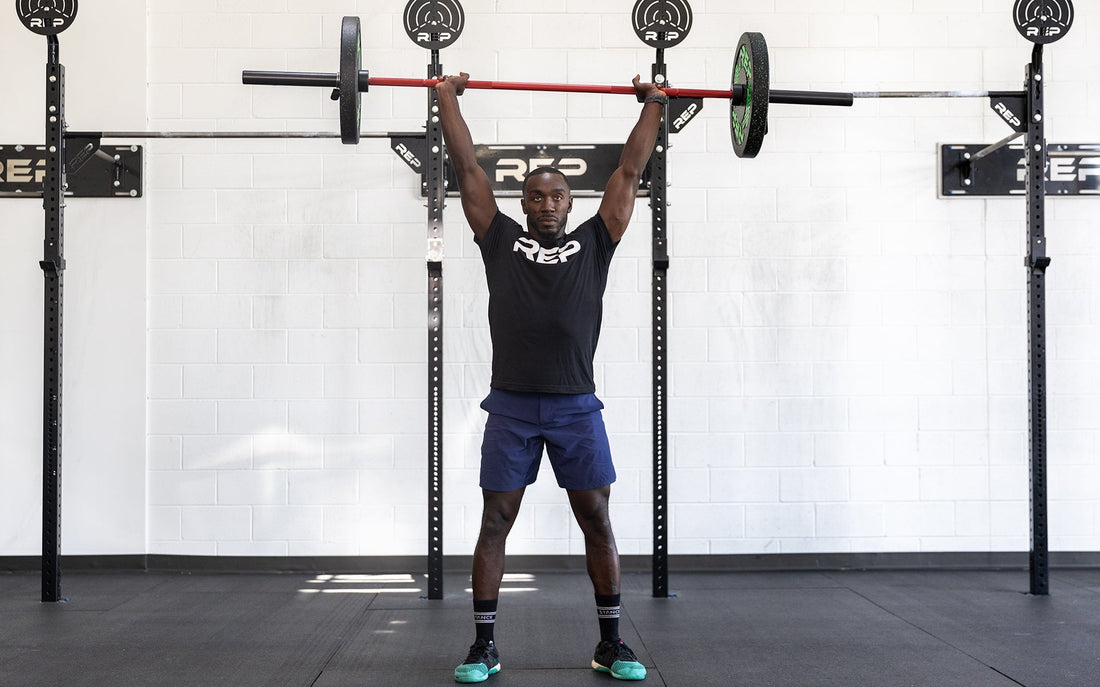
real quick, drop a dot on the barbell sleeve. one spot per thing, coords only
(322, 79)
(809, 98)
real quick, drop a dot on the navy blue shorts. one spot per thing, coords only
(569, 426)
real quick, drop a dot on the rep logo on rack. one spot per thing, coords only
(46, 17)
(23, 173)
(1043, 21)
(662, 23)
(434, 24)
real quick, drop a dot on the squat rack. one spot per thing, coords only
(53, 266)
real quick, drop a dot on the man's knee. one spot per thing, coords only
(499, 513)
(590, 508)
(495, 525)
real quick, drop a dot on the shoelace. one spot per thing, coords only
(479, 653)
(624, 652)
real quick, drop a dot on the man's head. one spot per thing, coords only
(547, 203)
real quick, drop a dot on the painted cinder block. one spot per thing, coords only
(841, 337)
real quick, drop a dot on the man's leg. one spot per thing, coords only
(590, 507)
(497, 517)
(600, 553)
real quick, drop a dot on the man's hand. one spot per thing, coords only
(458, 83)
(645, 90)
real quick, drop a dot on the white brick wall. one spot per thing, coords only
(848, 352)
(105, 285)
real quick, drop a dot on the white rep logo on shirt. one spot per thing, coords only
(546, 256)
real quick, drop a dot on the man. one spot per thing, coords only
(545, 308)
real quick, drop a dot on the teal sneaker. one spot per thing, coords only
(617, 658)
(482, 661)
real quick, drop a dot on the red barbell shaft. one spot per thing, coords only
(322, 79)
(775, 96)
(555, 87)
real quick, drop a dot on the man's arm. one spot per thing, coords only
(622, 188)
(478, 201)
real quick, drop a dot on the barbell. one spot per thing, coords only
(748, 95)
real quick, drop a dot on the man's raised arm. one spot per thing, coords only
(622, 187)
(478, 201)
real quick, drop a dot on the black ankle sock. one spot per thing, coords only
(485, 618)
(607, 609)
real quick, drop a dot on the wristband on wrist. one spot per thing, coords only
(656, 98)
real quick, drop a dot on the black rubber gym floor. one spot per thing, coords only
(939, 628)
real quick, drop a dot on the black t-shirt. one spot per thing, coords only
(545, 305)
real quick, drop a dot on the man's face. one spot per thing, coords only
(547, 203)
